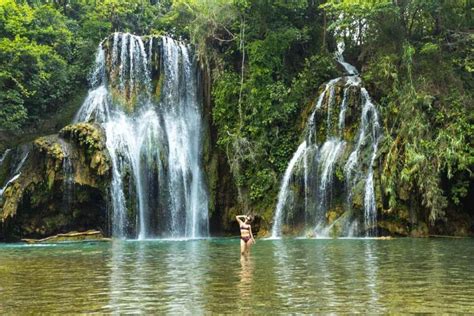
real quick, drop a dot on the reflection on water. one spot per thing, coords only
(200, 276)
(371, 273)
(283, 276)
(117, 276)
(245, 285)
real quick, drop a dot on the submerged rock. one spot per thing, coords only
(87, 236)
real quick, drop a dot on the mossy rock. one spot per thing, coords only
(90, 138)
(88, 135)
(420, 230)
(33, 203)
(394, 227)
(53, 156)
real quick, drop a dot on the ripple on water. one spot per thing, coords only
(198, 276)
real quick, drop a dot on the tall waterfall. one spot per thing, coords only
(144, 93)
(339, 144)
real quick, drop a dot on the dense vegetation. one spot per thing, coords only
(266, 61)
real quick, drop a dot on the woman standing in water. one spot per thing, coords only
(246, 235)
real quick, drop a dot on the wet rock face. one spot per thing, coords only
(145, 156)
(337, 112)
(146, 94)
(328, 188)
(89, 141)
(60, 186)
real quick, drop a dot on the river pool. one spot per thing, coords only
(208, 275)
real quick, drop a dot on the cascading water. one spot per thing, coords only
(349, 69)
(4, 156)
(284, 189)
(19, 158)
(320, 158)
(154, 135)
(68, 174)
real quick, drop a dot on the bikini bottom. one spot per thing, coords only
(245, 239)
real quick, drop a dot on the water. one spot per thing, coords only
(369, 132)
(349, 69)
(199, 276)
(330, 152)
(320, 160)
(154, 139)
(68, 176)
(285, 190)
(20, 156)
(4, 155)
(10, 181)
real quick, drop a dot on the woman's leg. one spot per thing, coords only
(248, 244)
(242, 247)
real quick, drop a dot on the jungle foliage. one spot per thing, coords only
(266, 61)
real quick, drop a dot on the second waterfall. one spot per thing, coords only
(145, 94)
(328, 188)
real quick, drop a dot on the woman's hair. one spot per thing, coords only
(249, 218)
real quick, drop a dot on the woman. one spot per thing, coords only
(246, 235)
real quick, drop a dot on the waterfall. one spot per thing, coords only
(324, 157)
(68, 176)
(4, 156)
(369, 131)
(350, 70)
(330, 152)
(153, 135)
(369, 197)
(284, 189)
(19, 158)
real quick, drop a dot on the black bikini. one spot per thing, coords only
(246, 238)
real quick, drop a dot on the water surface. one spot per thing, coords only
(199, 276)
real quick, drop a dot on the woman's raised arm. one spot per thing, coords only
(238, 218)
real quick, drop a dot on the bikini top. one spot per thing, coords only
(245, 228)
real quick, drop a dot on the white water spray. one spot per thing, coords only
(284, 190)
(18, 162)
(154, 143)
(320, 162)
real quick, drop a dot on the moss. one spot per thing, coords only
(420, 230)
(50, 147)
(212, 183)
(91, 138)
(267, 217)
(13, 195)
(403, 213)
(394, 227)
(34, 202)
(336, 219)
(5, 166)
(127, 99)
(158, 87)
(306, 113)
(53, 157)
(339, 171)
(41, 168)
(352, 117)
(293, 230)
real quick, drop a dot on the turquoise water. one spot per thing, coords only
(199, 276)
